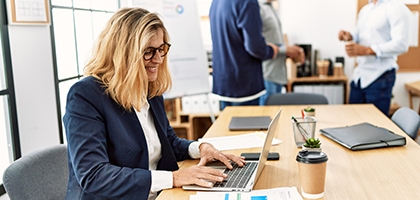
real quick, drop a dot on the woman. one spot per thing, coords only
(120, 143)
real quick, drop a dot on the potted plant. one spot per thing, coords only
(312, 144)
(309, 111)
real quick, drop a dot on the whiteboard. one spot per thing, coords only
(187, 58)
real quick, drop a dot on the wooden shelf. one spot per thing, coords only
(189, 126)
(318, 80)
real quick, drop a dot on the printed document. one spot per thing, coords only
(283, 193)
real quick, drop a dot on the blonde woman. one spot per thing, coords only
(120, 143)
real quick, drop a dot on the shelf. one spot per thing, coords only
(317, 80)
(190, 126)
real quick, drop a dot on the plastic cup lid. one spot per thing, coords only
(311, 157)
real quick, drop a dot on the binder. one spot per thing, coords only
(363, 136)
(249, 123)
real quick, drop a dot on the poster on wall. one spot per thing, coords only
(33, 12)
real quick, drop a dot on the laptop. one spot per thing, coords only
(243, 178)
(249, 123)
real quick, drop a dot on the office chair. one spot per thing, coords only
(293, 98)
(408, 120)
(42, 174)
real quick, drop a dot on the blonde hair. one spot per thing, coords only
(117, 58)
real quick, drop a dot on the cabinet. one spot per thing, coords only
(339, 82)
(190, 126)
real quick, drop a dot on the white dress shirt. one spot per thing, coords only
(160, 179)
(384, 28)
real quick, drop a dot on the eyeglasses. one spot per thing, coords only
(150, 52)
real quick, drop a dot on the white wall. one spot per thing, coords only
(32, 64)
(4, 197)
(318, 23)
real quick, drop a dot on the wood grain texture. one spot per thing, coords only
(387, 173)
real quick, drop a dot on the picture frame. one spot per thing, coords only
(29, 12)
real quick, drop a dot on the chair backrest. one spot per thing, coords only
(408, 120)
(293, 98)
(42, 174)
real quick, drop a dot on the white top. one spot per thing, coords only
(160, 179)
(383, 27)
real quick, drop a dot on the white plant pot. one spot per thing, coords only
(309, 113)
(311, 149)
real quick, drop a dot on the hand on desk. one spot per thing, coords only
(200, 174)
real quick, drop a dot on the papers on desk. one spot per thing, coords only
(283, 193)
(250, 140)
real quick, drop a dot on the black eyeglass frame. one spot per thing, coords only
(155, 50)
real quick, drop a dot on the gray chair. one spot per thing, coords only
(293, 98)
(42, 174)
(408, 120)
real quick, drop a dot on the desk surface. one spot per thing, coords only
(413, 87)
(387, 173)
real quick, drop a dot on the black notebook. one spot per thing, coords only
(363, 136)
(249, 123)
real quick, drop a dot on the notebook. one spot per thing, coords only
(363, 136)
(247, 175)
(249, 123)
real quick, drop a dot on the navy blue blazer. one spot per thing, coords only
(107, 150)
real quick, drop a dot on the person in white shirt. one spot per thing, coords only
(382, 34)
(120, 142)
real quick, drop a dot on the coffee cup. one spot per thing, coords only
(312, 171)
(322, 68)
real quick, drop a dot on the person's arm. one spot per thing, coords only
(354, 49)
(398, 18)
(249, 21)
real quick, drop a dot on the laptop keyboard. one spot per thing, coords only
(238, 177)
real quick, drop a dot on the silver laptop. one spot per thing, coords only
(243, 178)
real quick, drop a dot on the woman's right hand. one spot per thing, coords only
(197, 175)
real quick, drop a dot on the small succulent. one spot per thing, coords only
(312, 143)
(309, 109)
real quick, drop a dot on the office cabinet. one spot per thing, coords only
(335, 88)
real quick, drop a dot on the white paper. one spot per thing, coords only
(283, 193)
(251, 140)
(413, 40)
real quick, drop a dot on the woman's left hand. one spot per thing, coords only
(209, 153)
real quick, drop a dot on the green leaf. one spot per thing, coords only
(312, 143)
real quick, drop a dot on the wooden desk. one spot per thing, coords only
(317, 80)
(413, 89)
(387, 173)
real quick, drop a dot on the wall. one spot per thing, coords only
(318, 23)
(33, 75)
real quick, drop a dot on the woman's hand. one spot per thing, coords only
(198, 175)
(206, 176)
(209, 153)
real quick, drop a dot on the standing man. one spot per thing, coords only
(274, 70)
(382, 34)
(238, 51)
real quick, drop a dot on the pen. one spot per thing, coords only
(302, 131)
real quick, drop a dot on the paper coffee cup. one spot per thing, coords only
(312, 170)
